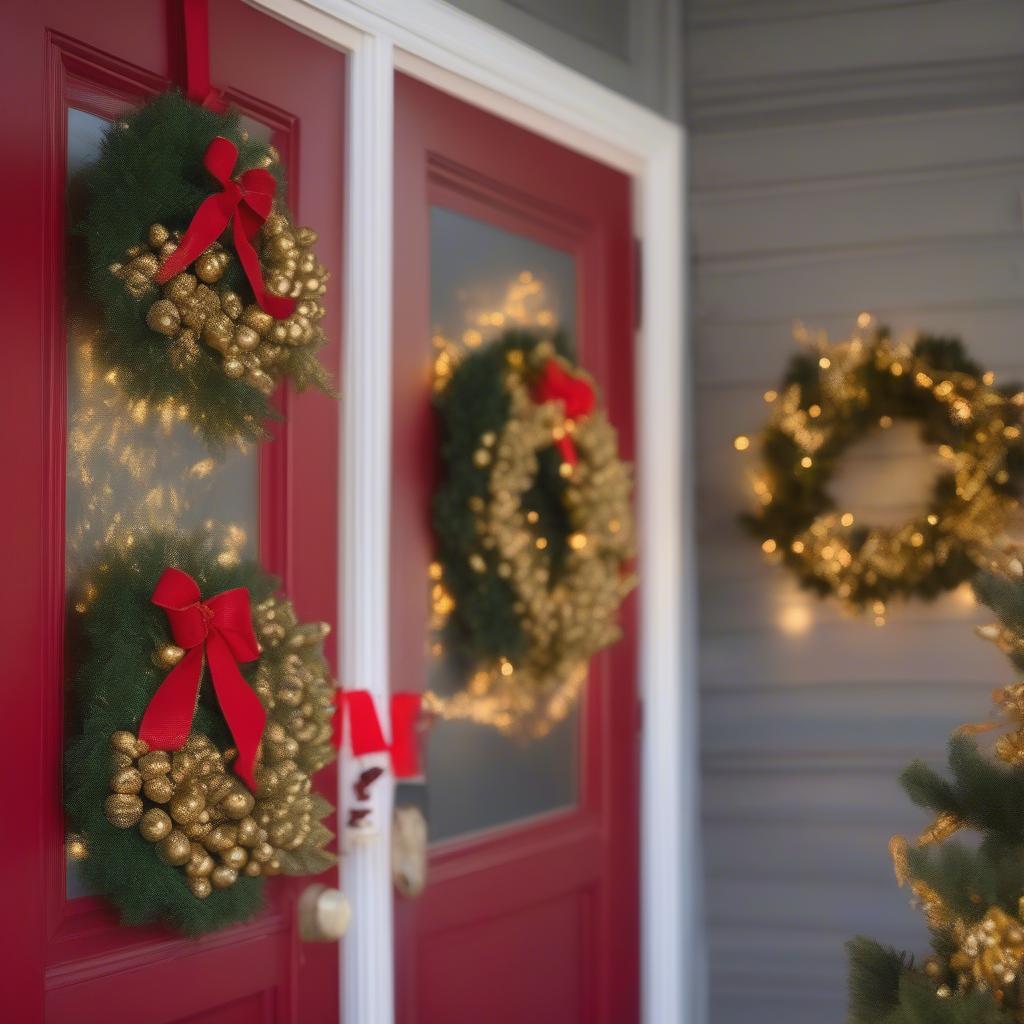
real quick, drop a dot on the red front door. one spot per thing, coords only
(68, 69)
(530, 909)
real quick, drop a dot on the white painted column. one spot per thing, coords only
(671, 953)
(367, 956)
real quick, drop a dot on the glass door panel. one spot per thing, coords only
(485, 280)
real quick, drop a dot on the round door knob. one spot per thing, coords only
(324, 914)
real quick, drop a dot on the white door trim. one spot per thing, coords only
(459, 54)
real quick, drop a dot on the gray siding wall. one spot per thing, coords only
(846, 155)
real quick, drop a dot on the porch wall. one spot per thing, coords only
(846, 155)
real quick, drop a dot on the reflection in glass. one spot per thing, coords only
(130, 466)
(484, 280)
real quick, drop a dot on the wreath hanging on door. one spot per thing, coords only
(210, 295)
(204, 709)
(835, 394)
(534, 532)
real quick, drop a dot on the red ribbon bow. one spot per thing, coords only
(556, 384)
(218, 631)
(245, 203)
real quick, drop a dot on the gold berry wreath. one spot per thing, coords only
(185, 829)
(834, 394)
(534, 533)
(209, 294)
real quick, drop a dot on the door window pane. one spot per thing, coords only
(484, 280)
(129, 466)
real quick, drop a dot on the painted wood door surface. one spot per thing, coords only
(68, 69)
(530, 908)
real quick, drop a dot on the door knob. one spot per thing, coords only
(324, 914)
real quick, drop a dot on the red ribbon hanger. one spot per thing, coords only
(217, 632)
(244, 203)
(555, 383)
(366, 735)
(196, 23)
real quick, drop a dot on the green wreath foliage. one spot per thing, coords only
(485, 624)
(112, 642)
(150, 170)
(798, 493)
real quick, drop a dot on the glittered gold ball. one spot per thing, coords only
(126, 780)
(155, 825)
(180, 287)
(239, 804)
(159, 789)
(175, 848)
(187, 806)
(123, 810)
(200, 887)
(274, 225)
(168, 655)
(125, 742)
(263, 853)
(260, 381)
(163, 317)
(221, 838)
(231, 304)
(217, 331)
(235, 858)
(200, 864)
(246, 338)
(75, 847)
(248, 832)
(155, 763)
(253, 869)
(223, 877)
(260, 321)
(157, 235)
(208, 268)
(272, 867)
(234, 368)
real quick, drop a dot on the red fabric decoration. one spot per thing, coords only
(368, 737)
(405, 745)
(245, 203)
(218, 631)
(555, 384)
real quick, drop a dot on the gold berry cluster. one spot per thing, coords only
(199, 816)
(195, 306)
(295, 685)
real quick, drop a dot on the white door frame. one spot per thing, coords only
(458, 53)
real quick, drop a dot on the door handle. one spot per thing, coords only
(324, 914)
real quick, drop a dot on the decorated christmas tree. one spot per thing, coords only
(970, 889)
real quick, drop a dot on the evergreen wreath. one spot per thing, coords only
(175, 835)
(202, 342)
(534, 530)
(834, 395)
